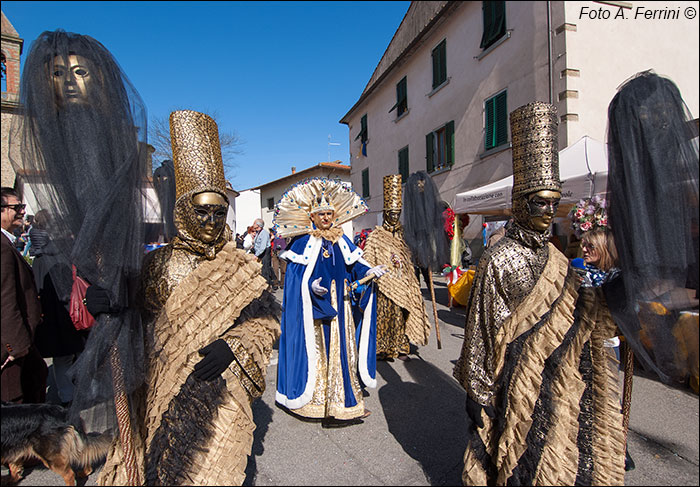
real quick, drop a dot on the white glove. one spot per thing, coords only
(317, 288)
(377, 271)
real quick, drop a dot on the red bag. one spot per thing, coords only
(82, 319)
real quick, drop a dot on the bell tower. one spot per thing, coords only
(11, 47)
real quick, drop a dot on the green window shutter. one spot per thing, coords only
(363, 128)
(429, 152)
(365, 183)
(450, 139)
(403, 164)
(443, 62)
(489, 137)
(494, 14)
(436, 68)
(439, 64)
(501, 125)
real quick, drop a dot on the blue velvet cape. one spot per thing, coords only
(296, 369)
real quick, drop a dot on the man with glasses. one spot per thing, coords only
(24, 372)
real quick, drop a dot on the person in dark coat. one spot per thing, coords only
(23, 370)
(56, 336)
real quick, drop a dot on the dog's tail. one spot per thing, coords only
(86, 449)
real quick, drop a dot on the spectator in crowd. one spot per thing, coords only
(24, 372)
(279, 266)
(56, 336)
(261, 249)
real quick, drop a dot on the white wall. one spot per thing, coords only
(247, 209)
(519, 65)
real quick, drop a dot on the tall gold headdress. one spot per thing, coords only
(392, 192)
(196, 154)
(293, 210)
(535, 149)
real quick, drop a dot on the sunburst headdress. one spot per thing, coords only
(295, 207)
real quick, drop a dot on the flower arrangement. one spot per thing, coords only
(588, 214)
(449, 222)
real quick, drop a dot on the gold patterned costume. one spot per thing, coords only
(533, 355)
(401, 316)
(187, 430)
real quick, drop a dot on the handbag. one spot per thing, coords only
(82, 319)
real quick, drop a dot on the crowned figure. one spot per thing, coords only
(327, 350)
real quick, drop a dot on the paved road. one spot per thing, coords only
(415, 435)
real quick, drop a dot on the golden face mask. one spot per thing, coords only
(210, 211)
(391, 217)
(71, 79)
(542, 206)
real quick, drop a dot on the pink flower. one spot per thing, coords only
(579, 213)
(585, 226)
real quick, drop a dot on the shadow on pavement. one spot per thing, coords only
(262, 415)
(426, 417)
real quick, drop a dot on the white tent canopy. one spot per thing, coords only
(583, 170)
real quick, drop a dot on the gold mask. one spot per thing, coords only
(71, 79)
(210, 210)
(542, 206)
(391, 217)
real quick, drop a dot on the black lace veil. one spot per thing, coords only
(423, 222)
(85, 162)
(164, 184)
(653, 212)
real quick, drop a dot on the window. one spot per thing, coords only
(4, 72)
(363, 134)
(365, 183)
(439, 147)
(401, 98)
(440, 64)
(496, 110)
(494, 22)
(271, 203)
(403, 164)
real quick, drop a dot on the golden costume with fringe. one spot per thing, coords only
(401, 316)
(190, 431)
(533, 348)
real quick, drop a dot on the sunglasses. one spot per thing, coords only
(18, 207)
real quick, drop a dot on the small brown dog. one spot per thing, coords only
(42, 431)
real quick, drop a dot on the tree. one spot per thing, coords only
(159, 138)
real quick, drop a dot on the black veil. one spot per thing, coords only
(423, 222)
(164, 184)
(653, 212)
(85, 162)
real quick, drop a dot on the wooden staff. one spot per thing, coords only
(628, 367)
(121, 404)
(432, 296)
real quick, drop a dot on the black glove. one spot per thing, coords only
(217, 356)
(97, 301)
(474, 413)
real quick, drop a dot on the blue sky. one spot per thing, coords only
(279, 74)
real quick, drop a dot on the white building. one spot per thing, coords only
(440, 97)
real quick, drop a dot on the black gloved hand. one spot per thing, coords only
(474, 413)
(97, 301)
(217, 356)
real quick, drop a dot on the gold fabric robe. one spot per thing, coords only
(400, 287)
(192, 301)
(533, 350)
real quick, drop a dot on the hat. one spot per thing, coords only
(196, 153)
(535, 149)
(392, 192)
